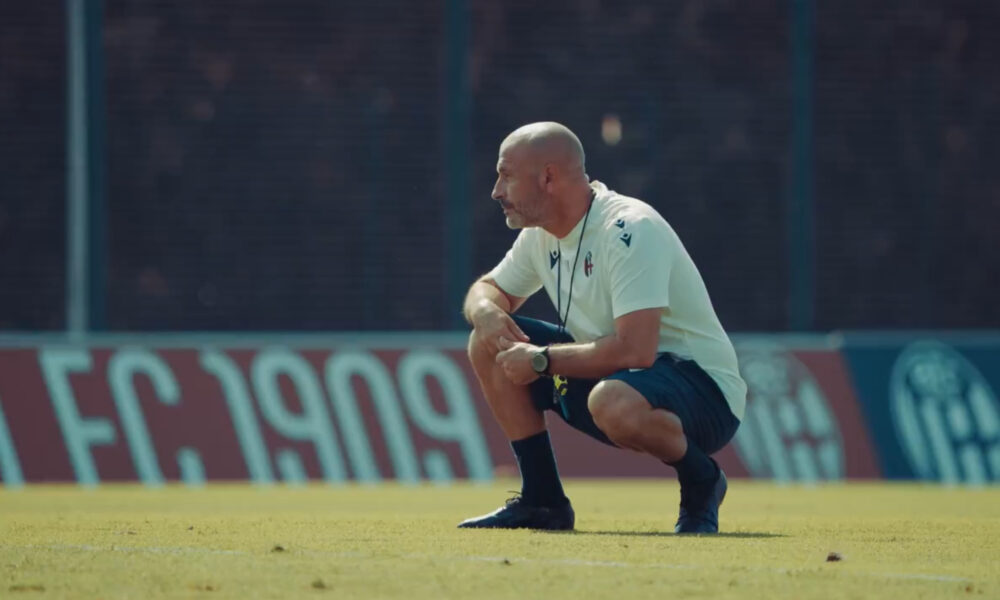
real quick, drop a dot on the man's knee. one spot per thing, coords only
(618, 410)
(480, 353)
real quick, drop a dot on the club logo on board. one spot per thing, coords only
(789, 432)
(946, 415)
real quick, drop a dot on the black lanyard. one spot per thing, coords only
(579, 245)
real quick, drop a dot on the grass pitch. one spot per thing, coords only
(392, 541)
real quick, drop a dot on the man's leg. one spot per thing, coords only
(511, 404)
(524, 425)
(630, 421)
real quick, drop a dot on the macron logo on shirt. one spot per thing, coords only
(553, 258)
(626, 238)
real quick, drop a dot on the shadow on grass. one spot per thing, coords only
(724, 534)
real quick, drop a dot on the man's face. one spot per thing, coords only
(517, 188)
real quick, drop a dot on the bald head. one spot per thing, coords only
(548, 142)
(541, 179)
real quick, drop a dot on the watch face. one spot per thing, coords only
(539, 362)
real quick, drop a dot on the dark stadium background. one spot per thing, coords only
(316, 166)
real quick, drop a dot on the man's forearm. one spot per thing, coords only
(593, 360)
(480, 296)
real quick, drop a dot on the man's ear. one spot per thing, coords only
(547, 177)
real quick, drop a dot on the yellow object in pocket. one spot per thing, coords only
(561, 385)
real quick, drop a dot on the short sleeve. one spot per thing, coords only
(516, 273)
(640, 260)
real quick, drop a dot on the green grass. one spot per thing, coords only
(389, 541)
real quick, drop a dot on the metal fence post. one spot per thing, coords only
(86, 214)
(457, 124)
(800, 221)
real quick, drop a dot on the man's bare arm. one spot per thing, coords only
(486, 295)
(633, 346)
(487, 308)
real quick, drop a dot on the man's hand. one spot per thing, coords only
(515, 360)
(493, 323)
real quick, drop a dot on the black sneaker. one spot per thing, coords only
(515, 514)
(700, 508)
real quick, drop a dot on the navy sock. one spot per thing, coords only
(695, 468)
(540, 485)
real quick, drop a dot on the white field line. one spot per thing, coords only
(569, 562)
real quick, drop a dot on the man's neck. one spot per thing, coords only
(569, 214)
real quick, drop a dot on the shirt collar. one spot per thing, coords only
(598, 190)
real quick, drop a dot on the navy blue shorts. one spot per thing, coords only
(679, 386)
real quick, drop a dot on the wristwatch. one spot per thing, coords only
(540, 361)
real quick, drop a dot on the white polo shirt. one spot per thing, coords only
(631, 259)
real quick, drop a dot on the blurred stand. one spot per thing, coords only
(297, 166)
